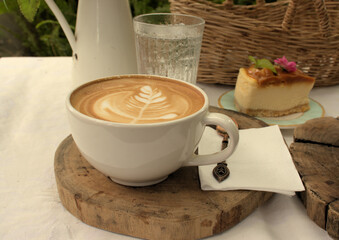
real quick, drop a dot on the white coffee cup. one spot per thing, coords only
(141, 154)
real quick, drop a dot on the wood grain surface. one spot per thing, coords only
(174, 209)
(315, 152)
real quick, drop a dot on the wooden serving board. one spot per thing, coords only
(175, 209)
(315, 152)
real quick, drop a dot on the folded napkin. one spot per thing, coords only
(261, 162)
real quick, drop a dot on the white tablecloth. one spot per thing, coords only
(32, 125)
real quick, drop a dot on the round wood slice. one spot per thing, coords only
(174, 209)
(315, 152)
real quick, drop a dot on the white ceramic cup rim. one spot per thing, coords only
(134, 125)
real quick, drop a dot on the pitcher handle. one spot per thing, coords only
(232, 130)
(63, 23)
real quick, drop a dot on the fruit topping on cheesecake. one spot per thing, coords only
(272, 90)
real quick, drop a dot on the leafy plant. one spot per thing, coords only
(149, 6)
(29, 8)
(40, 34)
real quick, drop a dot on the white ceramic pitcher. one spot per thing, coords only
(103, 44)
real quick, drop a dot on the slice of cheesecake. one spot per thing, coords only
(260, 92)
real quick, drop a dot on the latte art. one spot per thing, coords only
(134, 100)
(147, 105)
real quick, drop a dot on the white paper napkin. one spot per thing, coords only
(261, 162)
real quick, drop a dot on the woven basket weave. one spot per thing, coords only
(305, 31)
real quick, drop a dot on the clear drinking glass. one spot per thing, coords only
(169, 45)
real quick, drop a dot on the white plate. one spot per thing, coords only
(226, 101)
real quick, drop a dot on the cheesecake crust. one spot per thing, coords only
(271, 113)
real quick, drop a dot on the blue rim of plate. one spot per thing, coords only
(226, 100)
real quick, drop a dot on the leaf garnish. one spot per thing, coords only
(263, 63)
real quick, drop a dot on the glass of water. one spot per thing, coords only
(169, 45)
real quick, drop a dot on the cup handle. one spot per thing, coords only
(232, 130)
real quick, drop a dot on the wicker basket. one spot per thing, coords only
(305, 31)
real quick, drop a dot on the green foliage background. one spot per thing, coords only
(41, 35)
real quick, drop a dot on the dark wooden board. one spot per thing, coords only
(315, 152)
(175, 209)
(323, 130)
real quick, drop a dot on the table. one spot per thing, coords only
(33, 123)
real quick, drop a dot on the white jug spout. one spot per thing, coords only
(63, 23)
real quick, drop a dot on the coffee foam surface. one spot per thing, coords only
(137, 100)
